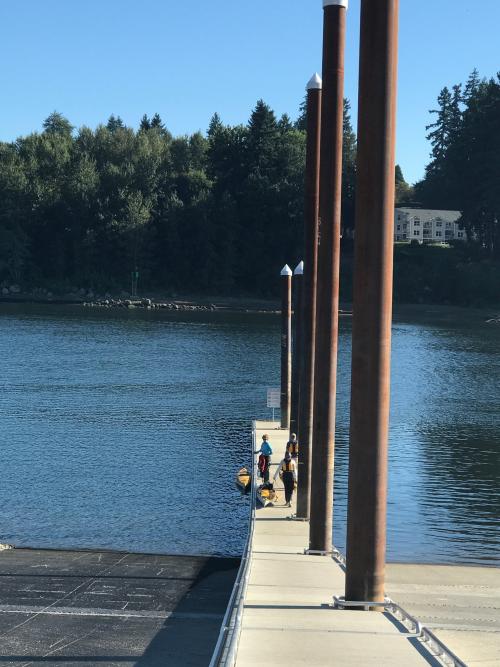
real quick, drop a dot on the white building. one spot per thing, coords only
(427, 225)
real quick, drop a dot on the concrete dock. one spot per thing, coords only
(105, 608)
(287, 618)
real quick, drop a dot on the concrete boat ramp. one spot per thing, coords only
(71, 608)
(284, 614)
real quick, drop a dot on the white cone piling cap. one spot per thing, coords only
(339, 3)
(299, 269)
(286, 271)
(315, 82)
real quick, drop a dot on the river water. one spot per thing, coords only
(124, 430)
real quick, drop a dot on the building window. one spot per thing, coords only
(427, 232)
(404, 236)
(427, 224)
(460, 235)
(416, 232)
(416, 221)
(439, 233)
(439, 223)
(448, 225)
(399, 227)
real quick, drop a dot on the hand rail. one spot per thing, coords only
(224, 654)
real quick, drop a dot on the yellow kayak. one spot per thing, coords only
(267, 496)
(243, 479)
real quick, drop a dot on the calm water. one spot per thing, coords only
(124, 430)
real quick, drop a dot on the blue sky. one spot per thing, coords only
(188, 59)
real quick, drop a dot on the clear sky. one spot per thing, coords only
(186, 59)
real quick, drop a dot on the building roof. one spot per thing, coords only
(447, 216)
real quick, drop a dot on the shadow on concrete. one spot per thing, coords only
(414, 641)
(192, 643)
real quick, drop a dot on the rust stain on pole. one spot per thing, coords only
(306, 391)
(327, 301)
(372, 302)
(297, 345)
(286, 344)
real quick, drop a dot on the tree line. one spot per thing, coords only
(221, 211)
(464, 171)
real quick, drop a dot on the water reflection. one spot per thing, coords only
(124, 430)
(444, 455)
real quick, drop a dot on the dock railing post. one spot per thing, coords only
(372, 302)
(286, 347)
(327, 302)
(306, 390)
(297, 345)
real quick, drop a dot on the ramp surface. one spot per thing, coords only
(460, 604)
(102, 608)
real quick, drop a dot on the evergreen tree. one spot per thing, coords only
(156, 122)
(56, 123)
(348, 171)
(114, 123)
(145, 123)
(404, 192)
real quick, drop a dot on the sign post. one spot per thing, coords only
(273, 398)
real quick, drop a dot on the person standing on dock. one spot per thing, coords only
(288, 473)
(292, 446)
(266, 452)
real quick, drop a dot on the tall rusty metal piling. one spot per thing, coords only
(306, 380)
(327, 302)
(286, 344)
(297, 345)
(372, 302)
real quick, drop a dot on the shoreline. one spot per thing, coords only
(225, 304)
(184, 303)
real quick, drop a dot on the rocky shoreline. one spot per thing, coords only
(88, 298)
(148, 304)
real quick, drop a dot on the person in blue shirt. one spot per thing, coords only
(266, 452)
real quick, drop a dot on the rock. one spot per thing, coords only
(130, 306)
(5, 291)
(146, 302)
(14, 289)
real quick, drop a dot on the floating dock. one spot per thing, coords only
(282, 610)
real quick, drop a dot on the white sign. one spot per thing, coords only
(273, 398)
